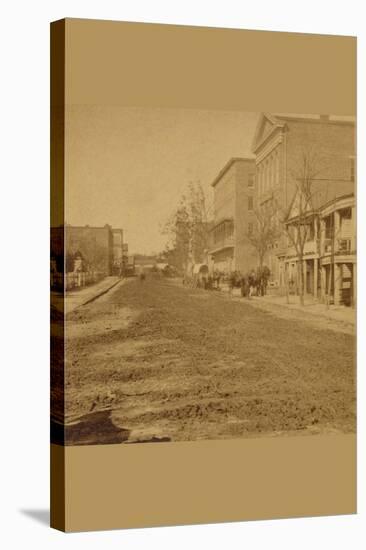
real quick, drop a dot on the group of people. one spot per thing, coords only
(253, 283)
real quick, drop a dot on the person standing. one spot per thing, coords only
(251, 281)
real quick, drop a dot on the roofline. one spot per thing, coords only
(107, 226)
(323, 206)
(273, 120)
(280, 121)
(334, 200)
(229, 163)
(316, 120)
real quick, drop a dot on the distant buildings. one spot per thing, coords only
(234, 196)
(117, 235)
(96, 251)
(143, 262)
(94, 244)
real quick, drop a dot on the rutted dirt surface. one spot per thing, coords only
(168, 363)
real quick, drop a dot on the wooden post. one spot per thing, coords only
(336, 230)
(337, 283)
(322, 237)
(315, 290)
(287, 282)
(354, 228)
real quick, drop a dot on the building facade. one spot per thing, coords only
(93, 244)
(117, 235)
(124, 256)
(234, 218)
(280, 145)
(329, 260)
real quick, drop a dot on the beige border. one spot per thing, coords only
(142, 64)
(115, 486)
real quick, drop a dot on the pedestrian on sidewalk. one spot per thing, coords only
(232, 280)
(244, 288)
(251, 282)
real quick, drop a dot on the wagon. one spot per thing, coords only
(197, 276)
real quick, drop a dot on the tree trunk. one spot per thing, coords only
(261, 259)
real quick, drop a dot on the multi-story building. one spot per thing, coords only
(231, 249)
(117, 235)
(280, 145)
(93, 244)
(124, 256)
(329, 252)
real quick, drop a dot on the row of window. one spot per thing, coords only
(268, 173)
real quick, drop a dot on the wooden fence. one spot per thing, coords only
(75, 280)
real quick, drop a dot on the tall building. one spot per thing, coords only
(94, 244)
(234, 217)
(280, 145)
(117, 236)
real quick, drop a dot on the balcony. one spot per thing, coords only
(344, 246)
(222, 244)
(327, 246)
(338, 246)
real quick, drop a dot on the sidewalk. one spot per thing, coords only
(77, 298)
(341, 314)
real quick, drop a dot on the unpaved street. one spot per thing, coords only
(157, 361)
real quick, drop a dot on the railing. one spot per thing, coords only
(223, 242)
(327, 246)
(344, 246)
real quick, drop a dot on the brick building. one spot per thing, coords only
(279, 144)
(95, 244)
(124, 256)
(117, 236)
(230, 248)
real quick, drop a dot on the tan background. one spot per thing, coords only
(115, 486)
(140, 64)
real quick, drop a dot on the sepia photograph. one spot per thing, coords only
(206, 270)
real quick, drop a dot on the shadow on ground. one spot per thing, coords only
(40, 515)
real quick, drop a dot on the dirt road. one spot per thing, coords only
(156, 361)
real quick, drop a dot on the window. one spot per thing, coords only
(250, 203)
(310, 232)
(251, 179)
(329, 225)
(346, 213)
(250, 229)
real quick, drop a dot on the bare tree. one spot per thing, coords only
(297, 227)
(188, 229)
(265, 231)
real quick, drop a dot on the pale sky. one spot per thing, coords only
(129, 166)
